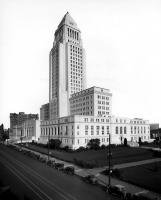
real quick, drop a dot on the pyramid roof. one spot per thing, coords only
(68, 20)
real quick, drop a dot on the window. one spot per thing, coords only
(98, 130)
(92, 130)
(116, 130)
(66, 130)
(102, 130)
(107, 129)
(86, 130)
(77, 126)
(124, 130)
(120, 130)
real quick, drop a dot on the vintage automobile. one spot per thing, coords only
(69, 170)
(59, 166)
(42, 159)
(37, 156)
(90, 179)
(144, 195)
(51, 163)
(117, 190)
(129, 196)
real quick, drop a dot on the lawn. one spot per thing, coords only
(147, 176)
(119, 155)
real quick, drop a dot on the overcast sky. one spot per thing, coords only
(122, 40)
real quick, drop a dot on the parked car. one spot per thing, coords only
(42, 159)
(51, 163)
(36, 157)
(59, 166)
(117, 190)
(129, 196)
(69, 170)
(90, 179)
(143, 196)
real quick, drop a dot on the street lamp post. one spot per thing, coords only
(109, 161)
(48, 147)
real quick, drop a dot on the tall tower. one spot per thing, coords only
(67, 67)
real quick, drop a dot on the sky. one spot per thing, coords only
(122, 41)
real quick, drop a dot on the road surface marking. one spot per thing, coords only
(33, 173)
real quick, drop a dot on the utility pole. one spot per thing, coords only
(48, 146)
(109, 161)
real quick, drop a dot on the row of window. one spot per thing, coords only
(103, 113)
(103, 107)
(103, 97)
(73, 34)
(96, 120)
(103, 102)
(137, 122)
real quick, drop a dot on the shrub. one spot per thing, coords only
(103, 146)
(84, 164)
(65, 148)
(94, 144)
(114, 173)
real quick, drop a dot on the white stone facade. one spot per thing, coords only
(93, 101)
(75, 131)
(28, 131)
(67, 71)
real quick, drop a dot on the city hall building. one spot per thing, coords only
(75, 114)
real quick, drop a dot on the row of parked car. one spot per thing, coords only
(43, 158)
(119, 190)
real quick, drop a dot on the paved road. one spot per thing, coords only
(35, 180)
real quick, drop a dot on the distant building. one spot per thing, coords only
(155, 131)
(26, 132)
(18, 119)
(44, 112)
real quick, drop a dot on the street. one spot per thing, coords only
(35, 180)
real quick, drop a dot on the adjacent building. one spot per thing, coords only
(21, 117)
(44, 112)
(26, 132)
(155, 131)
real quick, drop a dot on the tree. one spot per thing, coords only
(94, 144)
(139, 141)
(5, 135)
(125, 142)
(54, 143)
